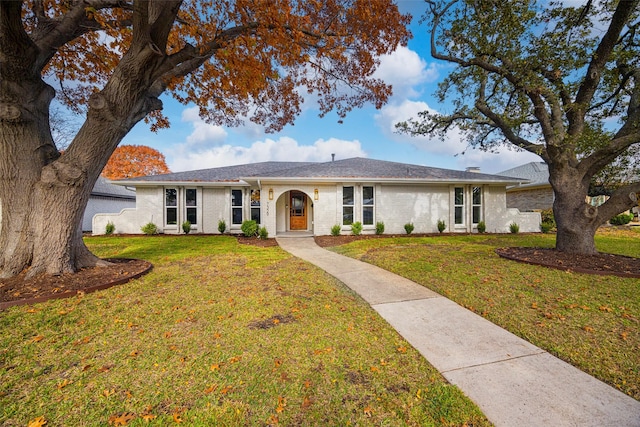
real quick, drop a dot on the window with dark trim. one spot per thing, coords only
(367, 205)
(347, 205)
(236, 207)
(171, 206)
(191, 205)
(255, 206)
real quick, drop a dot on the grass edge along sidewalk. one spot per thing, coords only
(587, 320)
(218, 333)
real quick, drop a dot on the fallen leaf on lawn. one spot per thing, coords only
(624, 335)
(402, 349)
(134, 353)
(306, 402)
(107, 393)
(211, 389)
(374, 369)
(147, 417)
(588, 328)
(282, 402)
(105, 368)
(215, 367)
(226, 389)
(37, 422)
(534, 305)
(63, 384)
(605, 308)
(368, 411)
(177, 417)
(37, 338)
(121, 419)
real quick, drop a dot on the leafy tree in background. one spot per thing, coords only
(112, 59)
(129, 161)
(560, 82)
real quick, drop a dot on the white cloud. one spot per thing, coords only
(405, 70)
(203, 133)
(282, 149)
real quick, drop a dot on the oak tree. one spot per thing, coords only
(561, 82)
(129, 161)
(114, 58)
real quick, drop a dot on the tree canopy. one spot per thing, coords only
(130, 161)
(555, 80)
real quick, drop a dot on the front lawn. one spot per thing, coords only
(590, 321)
(217, 334)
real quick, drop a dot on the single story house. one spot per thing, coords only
(533, 191)
(311, 198)
(107, 198)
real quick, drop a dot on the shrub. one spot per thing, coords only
(222, 226)
(441, 225)
(514, 228)
(548, 218)
(408, 227)
(621, 219)
(335, 230)
(545, 227)
(186, 227)
(249, 228)
(482, 227)
(110, 228)
(263, 233)
(149, 229)
(356, 228)
(379, 227)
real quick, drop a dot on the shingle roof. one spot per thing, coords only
(103, 188)
(347, 169)
(537, 173)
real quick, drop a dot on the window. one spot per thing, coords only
(236, 206)
(191, 203)
(347, 205)
(458, 205)
(477, 204)
(255, 206)
(171, 206)
(367, 205)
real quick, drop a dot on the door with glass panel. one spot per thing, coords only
(297, 211)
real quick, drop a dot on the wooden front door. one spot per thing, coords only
(297, 211)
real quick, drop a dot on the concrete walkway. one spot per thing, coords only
(512, 381)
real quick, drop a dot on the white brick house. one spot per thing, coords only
(313, 197)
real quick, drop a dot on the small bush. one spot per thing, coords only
(621, 219)
(110, 228)
(186, 227)
(441, 225)
(546, 227)
(547, 218)
(149, 229)
(263, 233)
(356, 228)
(408, 227)
(482, 227)
(514, 228)
(335, 230)
(249, 228)
(222, 226)
(379, 227)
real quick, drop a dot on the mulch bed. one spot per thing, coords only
(17, 291)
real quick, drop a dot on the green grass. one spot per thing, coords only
(217, 334)
(590, 321)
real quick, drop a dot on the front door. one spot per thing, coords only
(298, 211)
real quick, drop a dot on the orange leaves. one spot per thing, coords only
(121, 419)
(37, 422)
(128, 161)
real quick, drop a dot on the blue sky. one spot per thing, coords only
(191, 143)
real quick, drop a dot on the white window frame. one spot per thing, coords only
(346, 205)
(172, 207)
(475, 205)
(239, 207)
(372, 205)
(459, 206)
(194, 224)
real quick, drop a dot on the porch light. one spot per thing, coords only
(315, 194)
(271, 194)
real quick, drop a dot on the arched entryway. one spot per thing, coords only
(298, 211)
(294, 212)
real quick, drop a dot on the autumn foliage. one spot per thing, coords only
(129, 161)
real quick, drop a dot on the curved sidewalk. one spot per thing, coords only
(512, 381)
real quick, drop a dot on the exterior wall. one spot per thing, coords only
(530, 200)
(498, 217)
(149, 205)
(394, 204)
(104, 204)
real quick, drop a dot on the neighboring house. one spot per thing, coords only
(107, 198)
(313, 197)
(534, 191)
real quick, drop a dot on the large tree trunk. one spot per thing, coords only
(576, 220)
